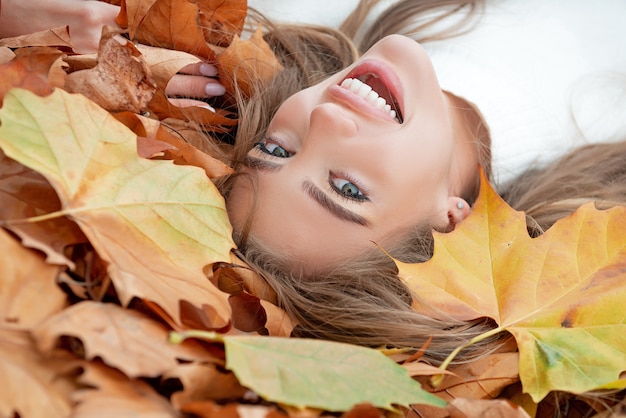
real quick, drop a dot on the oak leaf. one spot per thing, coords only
(156, 224)
(560, 294)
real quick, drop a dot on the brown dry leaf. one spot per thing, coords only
(25, 193)
(278, 323)
(29, 69)
(30, 384)
(203, 382)
(247, 62)
(57, 37)
(171, 24)
(483, 378)
(221, 20)
(28, 291)
(479, 408)
(123, 338)
(167, 143)
(120, 81)
(111, 394)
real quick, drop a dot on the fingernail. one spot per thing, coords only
(214, 89)
(211, 108)
(208, 70)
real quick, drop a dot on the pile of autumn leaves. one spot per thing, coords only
(113, 237)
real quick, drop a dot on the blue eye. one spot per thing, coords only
(273, 149)
(347, 189)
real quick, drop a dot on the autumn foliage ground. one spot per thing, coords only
(119, 294)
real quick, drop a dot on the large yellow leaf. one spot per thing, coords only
(156, 223)
(561, 295)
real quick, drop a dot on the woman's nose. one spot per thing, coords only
(331, 121)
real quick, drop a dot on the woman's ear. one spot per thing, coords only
(458, 210)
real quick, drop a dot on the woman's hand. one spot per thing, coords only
(85, 19)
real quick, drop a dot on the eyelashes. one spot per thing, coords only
(340, 184)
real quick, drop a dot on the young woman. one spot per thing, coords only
(343, 151)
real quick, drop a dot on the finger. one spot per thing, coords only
(190, 102)
(199, 68)
(193, 86)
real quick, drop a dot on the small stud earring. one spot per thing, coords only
(460, 205)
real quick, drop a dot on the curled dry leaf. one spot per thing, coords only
(246, 62)
(25, 193)
(124, 339)
(28, 291)
(221, 20)
(172, 218)
(120, 81)
(170, 24)
(560, 294)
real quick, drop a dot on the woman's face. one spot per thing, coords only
(359, 158)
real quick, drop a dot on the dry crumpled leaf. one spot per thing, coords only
(481, 408)
(247, 61)
(25, 193)
(221, 20)
(560, 294)
(28, 291)
(120, 81)
(172, 218)
(171, 24)
(124, 339)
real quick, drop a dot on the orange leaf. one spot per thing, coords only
(247, 62)
(29, 69)
(171, 24)
(122, 338)
(59, 37)
(120, 81)
(221, 20)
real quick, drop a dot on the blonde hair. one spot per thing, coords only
(362, 301)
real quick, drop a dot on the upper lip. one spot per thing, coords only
(387, 77)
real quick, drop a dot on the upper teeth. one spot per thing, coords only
(364, 91)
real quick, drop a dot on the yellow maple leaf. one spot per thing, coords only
(561, 295)
(156, 224)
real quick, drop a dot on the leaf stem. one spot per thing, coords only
(437, 379)
(178, 337)
(33, 219)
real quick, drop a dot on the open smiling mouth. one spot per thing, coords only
(372, 89)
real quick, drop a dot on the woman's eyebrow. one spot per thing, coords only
(330, 205)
